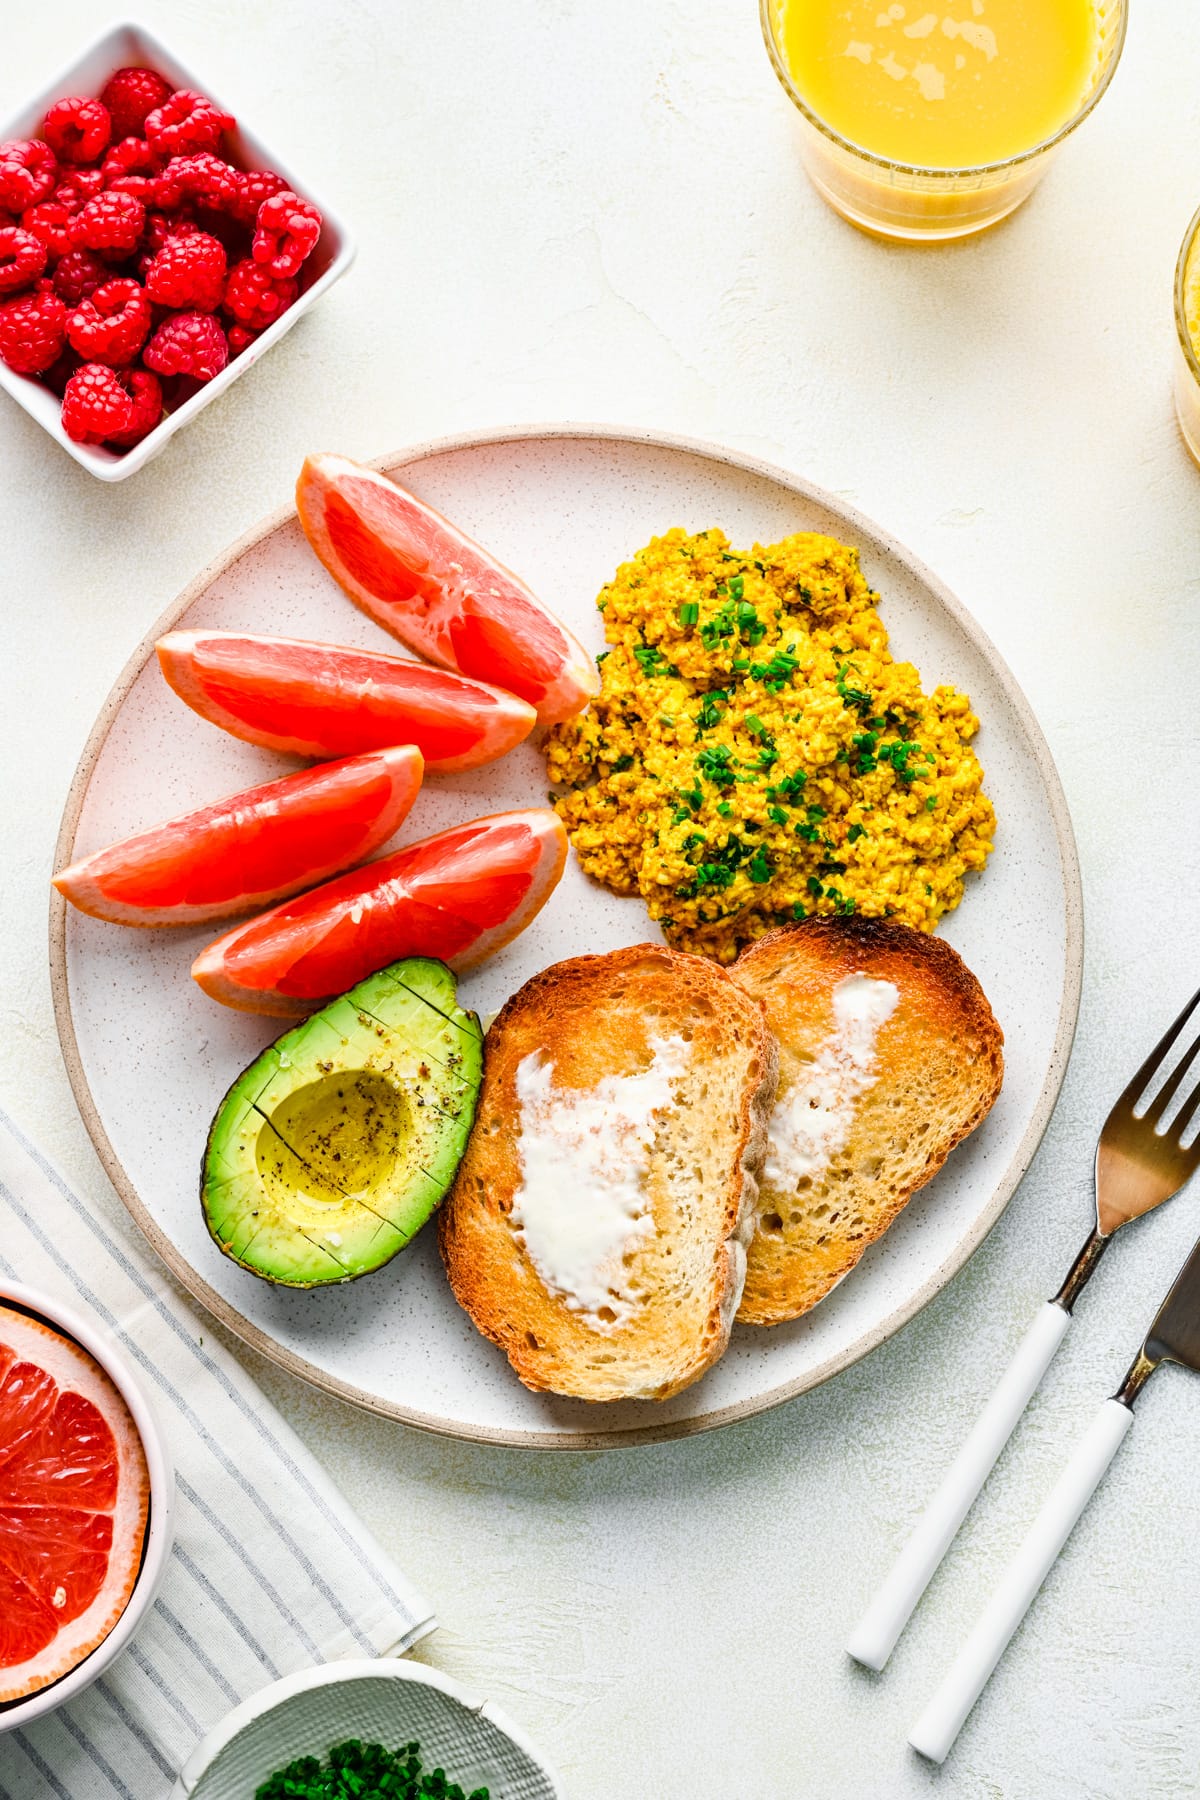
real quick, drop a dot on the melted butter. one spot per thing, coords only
(812, 1122)
(585, 1153)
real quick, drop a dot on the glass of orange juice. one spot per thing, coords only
(929, 121)
(1187, 333)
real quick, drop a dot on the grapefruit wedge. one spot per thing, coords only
(329, 700)
(458, 896)
(74, 1504)
(437, 590)
(252, 848)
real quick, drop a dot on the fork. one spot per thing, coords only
(1139, 1164)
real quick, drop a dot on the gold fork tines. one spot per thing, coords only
(1138, 1166)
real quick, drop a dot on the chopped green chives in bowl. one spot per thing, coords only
(358, 1771)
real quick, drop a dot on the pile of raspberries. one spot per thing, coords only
(135, 260)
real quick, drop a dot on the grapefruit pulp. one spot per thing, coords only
(437, 590)
(252, 848)
(323, 700)
(74, 1504)
(458, 896)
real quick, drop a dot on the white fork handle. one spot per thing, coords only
(874, 1637)
(940, 1723)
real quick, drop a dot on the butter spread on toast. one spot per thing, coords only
(812, 1123)
(583, 1203)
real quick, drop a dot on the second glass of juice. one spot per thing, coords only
(1187, 338)
(927, 123)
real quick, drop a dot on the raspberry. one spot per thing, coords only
(202, 177)
(130, 167)
(240, 339)
(77, 130)
(112, 324)
(33, 330)
(80, 273)
(163, 225)
(22, 259)
(287, 229)
(142, 187)
(80, 185)
(188, 343)
(111, 224)
(188, 272)
(254, 297)
(160, 228)
(255, 186)
(185, 122)
(95, 405)
(28, 172)
(130, 95)
(49, 221)
(146, 393)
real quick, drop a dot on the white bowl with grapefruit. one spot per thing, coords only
(87, 1496)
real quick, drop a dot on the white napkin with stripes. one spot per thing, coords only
(271, 1570)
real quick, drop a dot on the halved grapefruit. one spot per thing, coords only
(437, 590)
(458, 896)
(74, 1504)
(322, 700)
(252, 848)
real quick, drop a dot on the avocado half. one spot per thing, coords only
(331, 1150)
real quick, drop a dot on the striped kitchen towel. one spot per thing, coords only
(271, 1570)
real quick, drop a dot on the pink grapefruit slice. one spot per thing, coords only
(74, 1504)
(252, 848)
(459, 896)
(437, 590)
(323, 700)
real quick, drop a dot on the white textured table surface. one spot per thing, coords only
(572, 210)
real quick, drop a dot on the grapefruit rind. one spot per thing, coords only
(76, 1372)
(102, 884)
(452, 601)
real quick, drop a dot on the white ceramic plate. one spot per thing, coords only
(150, 1057)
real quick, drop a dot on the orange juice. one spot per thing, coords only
(952, 85)
(1187, 349)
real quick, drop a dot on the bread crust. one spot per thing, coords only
(593, 1017)
(939, 1070)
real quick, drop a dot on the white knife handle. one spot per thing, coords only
(874, 1637)
(940, 1723)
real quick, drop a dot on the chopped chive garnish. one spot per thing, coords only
(358, 1771)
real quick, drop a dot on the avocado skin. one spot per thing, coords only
(332, 1149)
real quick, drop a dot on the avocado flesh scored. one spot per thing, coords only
(332, 1149)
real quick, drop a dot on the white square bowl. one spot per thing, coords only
(132, 45)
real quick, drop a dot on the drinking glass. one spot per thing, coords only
(920, 205)
(1187, 361)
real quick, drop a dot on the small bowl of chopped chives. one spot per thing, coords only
(389, 1730)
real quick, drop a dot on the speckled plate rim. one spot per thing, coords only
(1038, 749)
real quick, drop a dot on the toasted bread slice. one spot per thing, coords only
(889, 1056)
(596, 1228)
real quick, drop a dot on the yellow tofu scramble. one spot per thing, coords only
(755, 756)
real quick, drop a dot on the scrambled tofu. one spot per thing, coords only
(755, 755)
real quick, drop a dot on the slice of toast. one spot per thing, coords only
(596, 1228)
(889, 1056)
